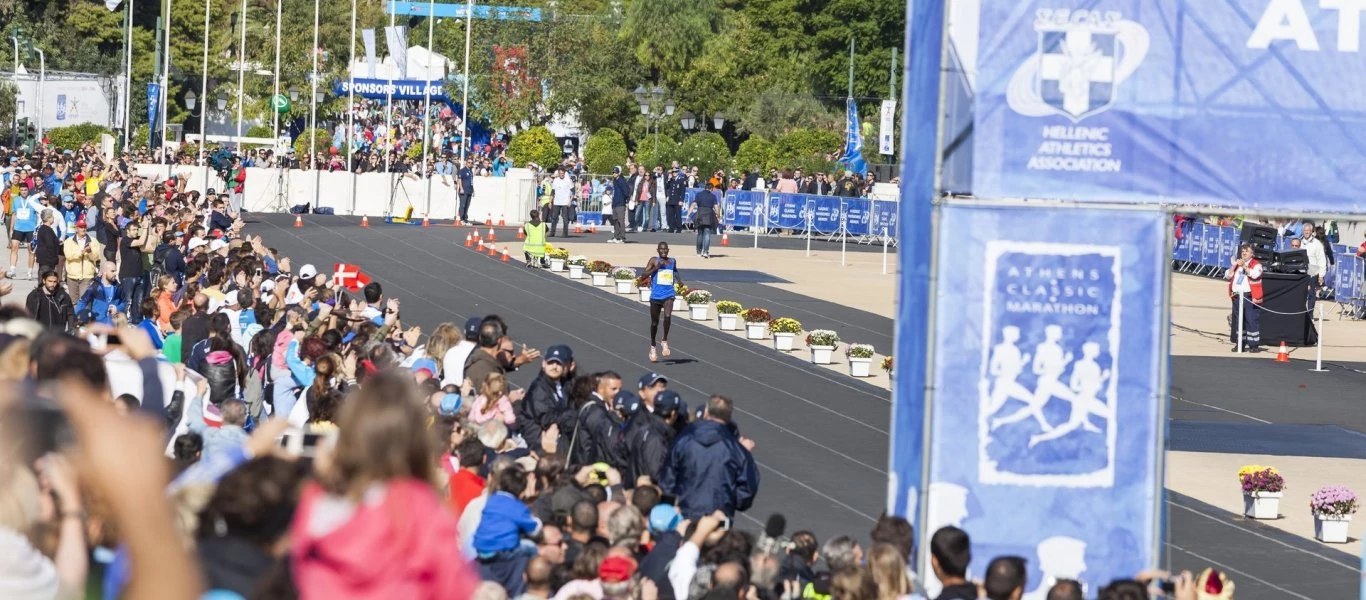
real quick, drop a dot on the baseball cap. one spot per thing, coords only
(218, 233)
(230, 298)
(196, 242)
(450, 404)
(626, 402)
(472, 327)
(210, 192)
(650, 379)
(217, 245)
(664, 517)
(559, 354)
(616, 169)
(616, 569)
(667, 402)
(425, 364)
(268, 285)
(307, 272)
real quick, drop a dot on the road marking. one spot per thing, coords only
(1352, 568)
(1244, 574)
(1221, 409)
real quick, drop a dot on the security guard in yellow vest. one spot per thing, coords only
(533, 247)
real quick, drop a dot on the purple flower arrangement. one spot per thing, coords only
(1265, 480)
(1333, 500)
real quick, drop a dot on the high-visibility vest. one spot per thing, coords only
(534, 244)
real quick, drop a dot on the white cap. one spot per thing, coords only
(217, 245)
(230, 298)
(196, 242)
(268, 285)
(307, 272)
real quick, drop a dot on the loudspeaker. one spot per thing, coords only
(1292, 261)
(1258, 235)
(1266, 256)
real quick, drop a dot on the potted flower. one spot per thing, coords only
(600, 270)
(680, 297)
(822, 343)
(625, 278)
(643, 288)
(756, 323)
(860, 359)
(1333, 507)
(1262, 488)
(577, 264)
(887, 365)
(728, 315)
(698, 300)
(557, 257)
(785, 330)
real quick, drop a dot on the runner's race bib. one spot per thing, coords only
(666, 276)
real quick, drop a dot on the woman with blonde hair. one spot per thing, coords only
(853, 583)
(493, 402)
(373, 526)
(889, 572)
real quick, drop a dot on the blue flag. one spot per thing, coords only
(153, 111)
(852, 156)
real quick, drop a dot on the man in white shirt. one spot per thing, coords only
(562, 192)
(1318, 261)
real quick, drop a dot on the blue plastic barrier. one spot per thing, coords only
(746, 209)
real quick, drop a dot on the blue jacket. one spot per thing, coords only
(708, 469)
(621, 191)
(94, 304)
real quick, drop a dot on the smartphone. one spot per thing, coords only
(301, 444)
(1168, 587)
(725, 524)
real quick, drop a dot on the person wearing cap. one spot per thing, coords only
(621, 195)
(650, 385)
(650, 433)
(618, 577)
(167, 259)
(547, 397)
(710, 467)
(83, 255)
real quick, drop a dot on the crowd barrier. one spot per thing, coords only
(800, 213)
(1204, 249)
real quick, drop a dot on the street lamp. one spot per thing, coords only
(688, 120)
(319, 96)
(719, 120)
(190, 98)
(293, 93)
(222, 101)
(669, 107)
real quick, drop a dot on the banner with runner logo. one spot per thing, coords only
(1048, 410)
(1238, 104)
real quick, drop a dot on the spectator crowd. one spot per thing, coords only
(192, 415)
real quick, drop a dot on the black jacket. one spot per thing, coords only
(621, 191)
(597, 437)
(49, 248)
(218, 220)
(170, 260)
(675, 188)
(647, 445)
(708, 470)
(541, 407)
(55, 311)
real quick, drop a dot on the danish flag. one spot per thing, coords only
(349, 277)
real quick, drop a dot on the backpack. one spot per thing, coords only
(158, 267)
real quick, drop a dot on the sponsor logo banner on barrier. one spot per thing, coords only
(1046, 422)
(752, 208)
(1078, 100)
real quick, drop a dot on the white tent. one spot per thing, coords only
(423, 65)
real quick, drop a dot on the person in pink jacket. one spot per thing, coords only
(493, 402)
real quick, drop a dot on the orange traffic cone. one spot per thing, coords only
(592, 228)
(425, 222)
(521, 235)
(365, 221)
(491, 238)
(493, 250)
(298, 221)
(505, 254)
(1283, 355)
(501, 221)
(468, 241)
(578, 227)
(725, 239)
(481, 244)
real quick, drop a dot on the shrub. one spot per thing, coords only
(699, 297)
(887, 364)
(1333, 500)
(72, 137)
(623, 273)
(642, 281)
(757, 315)
(535, 145)
(728, 307)
(806, 149)
(706, 151)
(1266, 480)
(680, 289)
(599, 266)
(577, 260)
(605, 149)
(756, 153)
(785, 325)
(822, 337)
(140, 135)
(560, 253)
(860, 351)
(324, 142)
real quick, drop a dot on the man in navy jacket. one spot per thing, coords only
(710, 467)
(621, 195)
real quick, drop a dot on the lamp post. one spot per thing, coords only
(275, 113)
(15, 38)
(648, 101)
(293, 93)
(687, 120)
(42, 78)
(719, 120)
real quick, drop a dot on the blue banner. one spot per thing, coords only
(852, 155)
(398, 89)
(1228, 103)
(154, 112)
(741, 208)
(1052, 451)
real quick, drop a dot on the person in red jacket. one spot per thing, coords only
(373, 527)
(1244, 277)
(238, 177)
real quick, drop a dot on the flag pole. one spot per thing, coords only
(275, 112)
(204, 98)
(351, 108)
(465, 85)
(313, 111)
(165, 76)
(241, 72)
(427, 106)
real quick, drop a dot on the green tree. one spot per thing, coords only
(73, 136)
(324, 141)
(657, 153)
(667, 34)
(774, 112)
(807, 149)
(756, 153)
(706, 151)
(535, 145)
(605, 149)
(8, 102)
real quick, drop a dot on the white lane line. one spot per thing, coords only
(1349, 567)
(1243, 574)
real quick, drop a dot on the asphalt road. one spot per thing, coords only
(822, 437)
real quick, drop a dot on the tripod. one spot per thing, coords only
(280, 204)
(393, 195)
